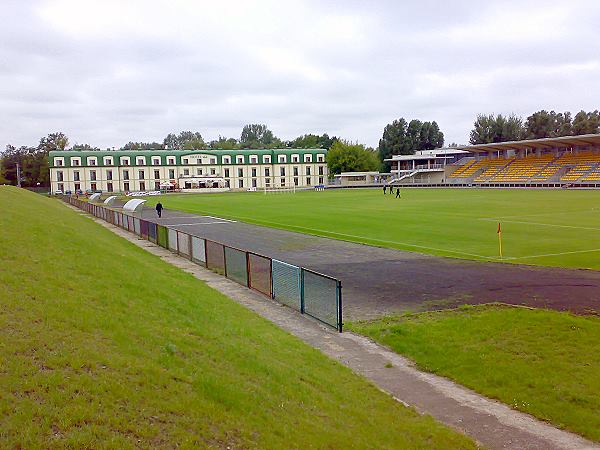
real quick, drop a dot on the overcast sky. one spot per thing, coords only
(109, 71)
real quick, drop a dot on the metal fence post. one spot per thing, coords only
(339, 305)
(301, 290)
(224, 260)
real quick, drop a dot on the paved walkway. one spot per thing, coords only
(379, 281)
(490, 423)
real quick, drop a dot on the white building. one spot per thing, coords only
(142, 170)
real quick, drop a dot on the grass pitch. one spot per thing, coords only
(541, 227)
(544, 363)
(103, 345)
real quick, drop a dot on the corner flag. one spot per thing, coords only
(500, 239)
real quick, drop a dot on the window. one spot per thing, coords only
(77, 187)
(295, 158)
(157, 185)
(253, 159)
(58, 162)
(91, 161)
(185, 161)
(321, 170)
(267, 171)
(253, 182)
(171, 161)
(281, 159)
(140, 161)
(157, 174)
(226, 159)
(239, 159)
(109, 174)
(76, 176)
(141, 175)
(227, 172)
(320, 180)
(93, 175)
(125, 160)
(59, 176)
(213, 171)
(240, 172)
(320, 158)
(109, 187)
(268, 182)
(282, 171)
(142, 186)
(198, 171)
(254, 171)
(93, 186)
(307, 158)
(308, 170)
(61, 187)
(126, 174)
(126, 186)
(308, 181)
(241, 183)
(156, 160)
(296, 181)
(108, 161)
(213, 160)
(75, 162)
(295, 171)
(267, 159)
(282, 182)
(186, 172)
(171, 173)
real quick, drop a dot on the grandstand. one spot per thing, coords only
(550, 162)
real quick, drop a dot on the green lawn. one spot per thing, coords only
(541, 227)
(545, 363)
(103, 345)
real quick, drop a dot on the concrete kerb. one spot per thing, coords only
(488, 422)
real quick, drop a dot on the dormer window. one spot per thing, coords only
(108, 160)
(295, 158)
(124, 160)
(320, 158)
(253, 159)
(75, 162)
(186, 161)
(140, 161)
(171, 160)
(156, 160)
(267, 159)
(91, 161)
(307, 158)
(281, 159)
(226, 159)
(59, 162)
(239, 159)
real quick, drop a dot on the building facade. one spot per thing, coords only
(149, 170)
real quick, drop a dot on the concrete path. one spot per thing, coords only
(490, 423)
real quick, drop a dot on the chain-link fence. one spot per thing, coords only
(236, 265)
(309, 292)
(259, 273)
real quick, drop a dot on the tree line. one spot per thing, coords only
(401, 137)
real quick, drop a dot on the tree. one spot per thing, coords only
(143, 146)
(490, 128)
(345, 156)
(83, 147)
(258, 136)
(53, 142)
(224, 143)
(402, 138)
(586, 123)
(186, 140)
(312, 141)
(544, 124)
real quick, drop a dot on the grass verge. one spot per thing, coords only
(103, 345)
(541, 362)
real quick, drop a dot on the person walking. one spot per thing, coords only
(398, 193)
(384, 188)
(159, 208)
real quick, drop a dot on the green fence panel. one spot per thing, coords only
(286, 284)
(236, 267)
(320, 297)
(163, 236)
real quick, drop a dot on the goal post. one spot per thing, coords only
(280, 190)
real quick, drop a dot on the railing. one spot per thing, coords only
(307, 291)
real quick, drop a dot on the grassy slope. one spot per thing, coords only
(542, 362)
(105, 345)
(445, 222)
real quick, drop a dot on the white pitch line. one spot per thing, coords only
(539, 224)
(555, 254)
(221, 218)
(194, 223)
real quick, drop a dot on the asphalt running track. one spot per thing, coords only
(379, 281)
